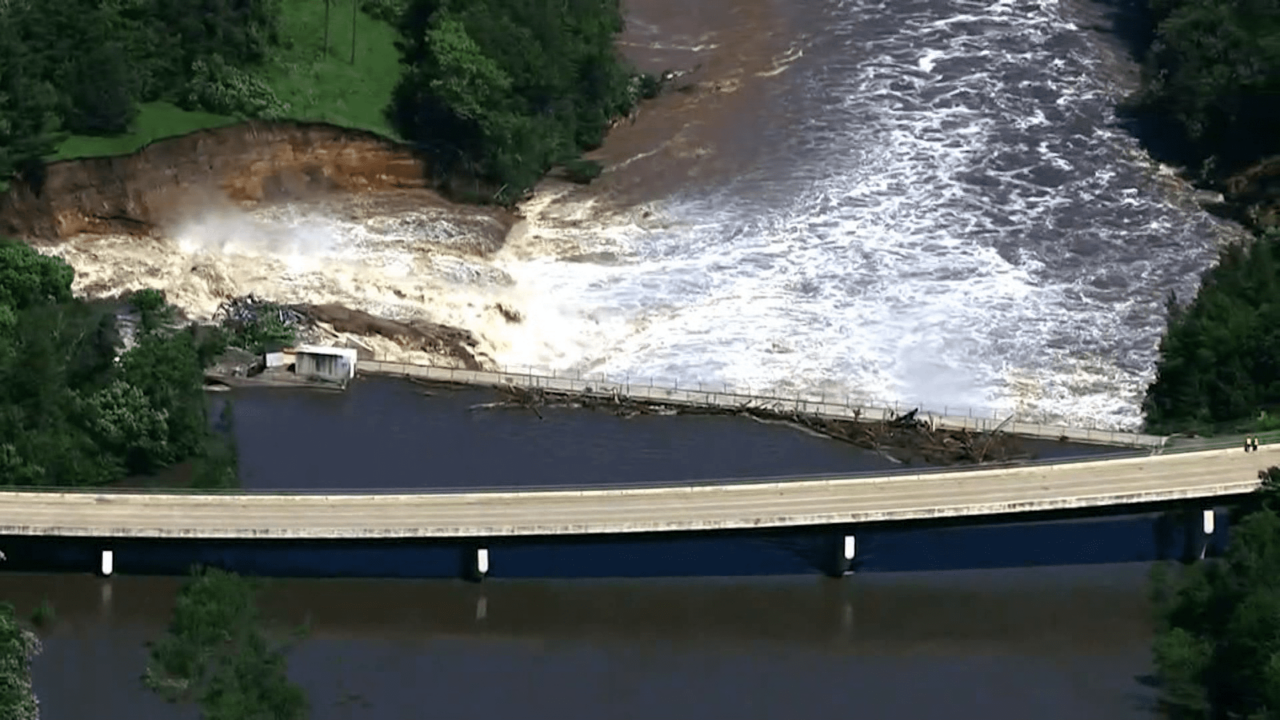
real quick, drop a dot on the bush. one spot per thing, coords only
(582, 171)
(220, 88)
(388, 11)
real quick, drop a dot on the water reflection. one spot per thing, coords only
(1051, 643)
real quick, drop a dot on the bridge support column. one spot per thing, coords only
(1200, 526)
(479, 563)
(841, 556)
(107, 563)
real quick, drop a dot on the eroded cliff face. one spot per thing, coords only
(246, 164)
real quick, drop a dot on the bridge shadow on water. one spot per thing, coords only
(989, 543)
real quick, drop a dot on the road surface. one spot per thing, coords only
(1028, 489)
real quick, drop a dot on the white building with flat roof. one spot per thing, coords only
(329, 363)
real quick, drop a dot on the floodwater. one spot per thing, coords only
(1053, 643)
(929, 201)
(1064, 642)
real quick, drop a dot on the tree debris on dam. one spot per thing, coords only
(903, 438)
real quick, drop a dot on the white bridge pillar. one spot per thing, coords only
(478, 563)
(1200, 528)
(841, 558)
(107, 564)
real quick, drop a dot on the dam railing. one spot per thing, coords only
(723, 396)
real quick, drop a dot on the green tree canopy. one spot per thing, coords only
(1213, 68)
(70, 413)
(501, 90)
(1217, 649)
(217, 654)
(18, 646)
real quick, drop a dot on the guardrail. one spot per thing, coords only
(710, 396)
(654, 484)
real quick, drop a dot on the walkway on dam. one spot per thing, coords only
(725, 397)
(782, 503)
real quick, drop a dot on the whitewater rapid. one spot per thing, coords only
(946, 213)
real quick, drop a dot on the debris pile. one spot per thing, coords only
(903, 438)
(241, 313)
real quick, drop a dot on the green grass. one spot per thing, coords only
(326, 86)
(317, 85)
(155, 121)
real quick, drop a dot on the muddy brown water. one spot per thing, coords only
(1011, 644)
(1048, 643)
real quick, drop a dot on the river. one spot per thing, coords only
(1062, 642)
(1056, 643)
(928, 201)
(384, 434)
(917, 199)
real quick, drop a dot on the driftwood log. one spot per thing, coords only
(903, 438)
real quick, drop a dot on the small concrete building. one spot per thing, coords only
(329, 363)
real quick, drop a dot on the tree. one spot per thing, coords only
(500, 91)
(216, 654)
(28, 278)
(1217, 650)
(18, 646)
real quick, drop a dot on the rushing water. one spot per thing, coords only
(1065, 643)
(926, 200)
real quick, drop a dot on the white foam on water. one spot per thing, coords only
(958, 222)
(966, 226)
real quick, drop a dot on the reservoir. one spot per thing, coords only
(1048, 643)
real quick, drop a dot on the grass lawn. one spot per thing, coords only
(155, 120)
(326, 86)
(317, 85)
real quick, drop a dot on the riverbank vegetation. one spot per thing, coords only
(18, 647)
(1210, 84)
(74, 411)
(499, 91)
(86, 78)
(1217, 652)
(496, 92)
(217, 654)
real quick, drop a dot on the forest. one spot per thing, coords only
(1211, 85)
(1217, 652)
(71, 414)
(495, 92)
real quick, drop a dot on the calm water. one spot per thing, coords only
(1047, 644)
(384, 433)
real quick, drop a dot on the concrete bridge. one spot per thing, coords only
(1196, 477)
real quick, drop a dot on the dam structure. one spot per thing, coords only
(722, 396)
(1153, 506)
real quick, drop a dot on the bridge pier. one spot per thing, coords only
(107, 563)
(1200, 526)
(477, 563)
(840, 556)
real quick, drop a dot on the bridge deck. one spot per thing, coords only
(775, 504)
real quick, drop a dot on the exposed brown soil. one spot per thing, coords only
(244, 164)
(418, 334)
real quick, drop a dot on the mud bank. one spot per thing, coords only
(246, 164)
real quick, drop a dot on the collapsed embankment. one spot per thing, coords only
(245, 164)
(255, 209)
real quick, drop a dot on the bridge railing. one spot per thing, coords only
(645, 485)
(843, 406)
